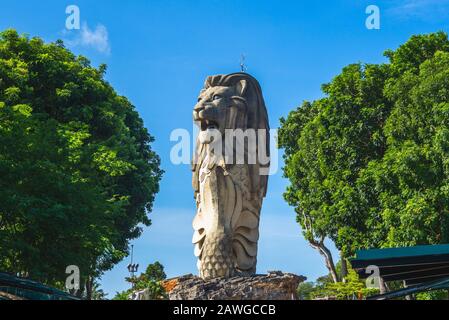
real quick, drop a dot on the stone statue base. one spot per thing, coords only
(273, 286)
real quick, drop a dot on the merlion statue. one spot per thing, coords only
(229, 192)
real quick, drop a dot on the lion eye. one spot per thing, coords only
(216, 97)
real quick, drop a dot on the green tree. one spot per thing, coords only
(351, 288)
(327, 143)
(433, 295)
(155, 271)
(305, 290)
(91, 291)
(409, 185)
(368, 163)
(150, 280)
(77, 174)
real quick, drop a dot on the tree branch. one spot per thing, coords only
(322, 249)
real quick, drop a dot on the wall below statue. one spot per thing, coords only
(273, 286)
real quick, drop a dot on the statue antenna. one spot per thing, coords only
(243, 67)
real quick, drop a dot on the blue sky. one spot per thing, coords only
(159, 53)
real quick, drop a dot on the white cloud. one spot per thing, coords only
(97, 39)
(425, 9)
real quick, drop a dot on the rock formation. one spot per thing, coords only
(274, 286)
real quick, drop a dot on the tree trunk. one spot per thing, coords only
(344, 267)
(326, 253)
(89, 287)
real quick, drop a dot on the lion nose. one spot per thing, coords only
(199, 107)
(196, 111)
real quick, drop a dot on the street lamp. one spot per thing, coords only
(132, 267)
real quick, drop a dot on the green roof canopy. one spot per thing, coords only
(422, 267)
(390, 253)
(30, 290)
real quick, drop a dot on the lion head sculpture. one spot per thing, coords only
(229, 194)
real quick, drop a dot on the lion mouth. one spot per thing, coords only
(209, 125)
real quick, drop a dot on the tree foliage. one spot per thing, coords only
(150, 280)
(368, 163)
(350, 288)
(77, 173)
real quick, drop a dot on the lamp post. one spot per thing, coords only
(132, 267)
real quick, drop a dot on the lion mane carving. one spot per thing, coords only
(229, 196)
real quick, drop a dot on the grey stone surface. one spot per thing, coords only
(273, 286)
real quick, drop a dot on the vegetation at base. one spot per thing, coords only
(94, 293)
(354, 289)
(150, 280)
(350, 288)
(78, 175)
(433, 295)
